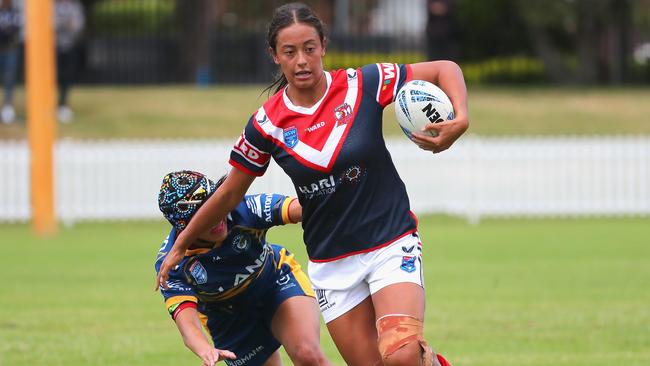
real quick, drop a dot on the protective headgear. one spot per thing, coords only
(181, 195)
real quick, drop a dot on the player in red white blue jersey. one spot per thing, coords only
(246, 292)
(324, 129)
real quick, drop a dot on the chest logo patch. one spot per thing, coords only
(343, 114)
(199, 273)
(290, 137)
(241, 243)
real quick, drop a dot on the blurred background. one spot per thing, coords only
(536, 219)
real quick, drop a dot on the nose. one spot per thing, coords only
(302, 60)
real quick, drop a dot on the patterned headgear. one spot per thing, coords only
(181, 195)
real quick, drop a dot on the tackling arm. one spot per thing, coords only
(189, 325)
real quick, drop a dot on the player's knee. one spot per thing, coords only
(408, 355)
(401, 341)
(307, 354)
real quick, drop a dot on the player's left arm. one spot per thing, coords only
(449, 77)
(294, 210)
(189, 325)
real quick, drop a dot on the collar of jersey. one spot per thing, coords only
(305, 110)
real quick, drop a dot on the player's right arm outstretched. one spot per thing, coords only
(189, 325)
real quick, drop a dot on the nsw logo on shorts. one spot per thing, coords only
(408, 263)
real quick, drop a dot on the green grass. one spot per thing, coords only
(505, 292)
(222, 111)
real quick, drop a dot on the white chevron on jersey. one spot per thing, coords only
(317, 157)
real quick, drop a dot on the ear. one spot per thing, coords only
(324, 48)
(274, 56)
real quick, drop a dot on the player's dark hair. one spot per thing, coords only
(283, 17)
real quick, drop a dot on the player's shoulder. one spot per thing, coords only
(249, 210)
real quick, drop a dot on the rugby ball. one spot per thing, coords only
(419, 103)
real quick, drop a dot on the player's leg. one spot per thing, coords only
(296, 324)
(293, 311)
(274, 359)
(398, 296)
(400, 305)
(355, 335)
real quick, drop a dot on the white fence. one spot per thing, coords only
(561, 176)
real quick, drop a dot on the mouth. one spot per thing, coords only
(303, 75)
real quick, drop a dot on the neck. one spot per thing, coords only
(308, 97)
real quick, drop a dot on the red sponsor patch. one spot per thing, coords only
(250, 152)
(388, 81)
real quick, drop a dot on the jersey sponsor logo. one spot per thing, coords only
(244, 360)
(267, 208)
(199, 273)
(290, 137)
(250, 152)
(322, 187)
(315, 126)
(250, 269)
(388, 72)
(389, 75)
(408, 263)
(352, 74)
(343, 114)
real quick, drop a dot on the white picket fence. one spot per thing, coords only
(477, 177)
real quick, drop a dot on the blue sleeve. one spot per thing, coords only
(266, 210)
(179, 289)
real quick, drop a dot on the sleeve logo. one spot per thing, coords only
(251, 153)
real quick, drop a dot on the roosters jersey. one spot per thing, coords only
(352, 198)
(238, 266)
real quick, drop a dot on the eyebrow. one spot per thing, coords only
(293, 46)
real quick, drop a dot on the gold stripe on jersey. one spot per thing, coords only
(297, 271)
(286, 218)
(172, 302)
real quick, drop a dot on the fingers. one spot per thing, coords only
(162, 277)
(428, 143)
(215, 355)
(226, 354)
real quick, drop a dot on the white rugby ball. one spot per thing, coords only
(419, 103)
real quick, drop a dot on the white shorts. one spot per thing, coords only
(342, 284)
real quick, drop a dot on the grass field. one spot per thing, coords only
(222, 111)
(502, 293)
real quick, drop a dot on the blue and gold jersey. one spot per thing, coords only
(231, 270)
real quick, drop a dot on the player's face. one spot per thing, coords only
(299, 52)
(216, 234)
